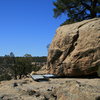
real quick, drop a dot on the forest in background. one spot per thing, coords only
(12, 67)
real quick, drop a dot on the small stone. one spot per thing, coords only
(15, 84)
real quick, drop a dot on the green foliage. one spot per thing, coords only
(77, 10)
(36, 68)
(13, 67)
(27, 55)
(22, 66)
(39, 59)
(5, 76)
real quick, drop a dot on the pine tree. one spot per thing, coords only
(77, 10)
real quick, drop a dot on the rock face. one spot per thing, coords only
(75, 49)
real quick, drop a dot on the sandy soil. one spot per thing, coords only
(28, 89)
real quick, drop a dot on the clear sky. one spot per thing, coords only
(27, 26)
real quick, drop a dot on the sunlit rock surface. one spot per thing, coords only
(75, 49)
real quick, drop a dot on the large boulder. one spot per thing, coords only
(75, 49)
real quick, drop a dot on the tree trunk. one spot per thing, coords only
(15, 74)
(93, 14)
(15, 77)
(93, 7)
(20, 76)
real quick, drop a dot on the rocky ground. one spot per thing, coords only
(54, 89)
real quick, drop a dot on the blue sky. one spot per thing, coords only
(27, 26)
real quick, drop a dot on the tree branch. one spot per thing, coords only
(82, 11)
(85, 5)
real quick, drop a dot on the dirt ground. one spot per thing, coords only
(54, 89)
